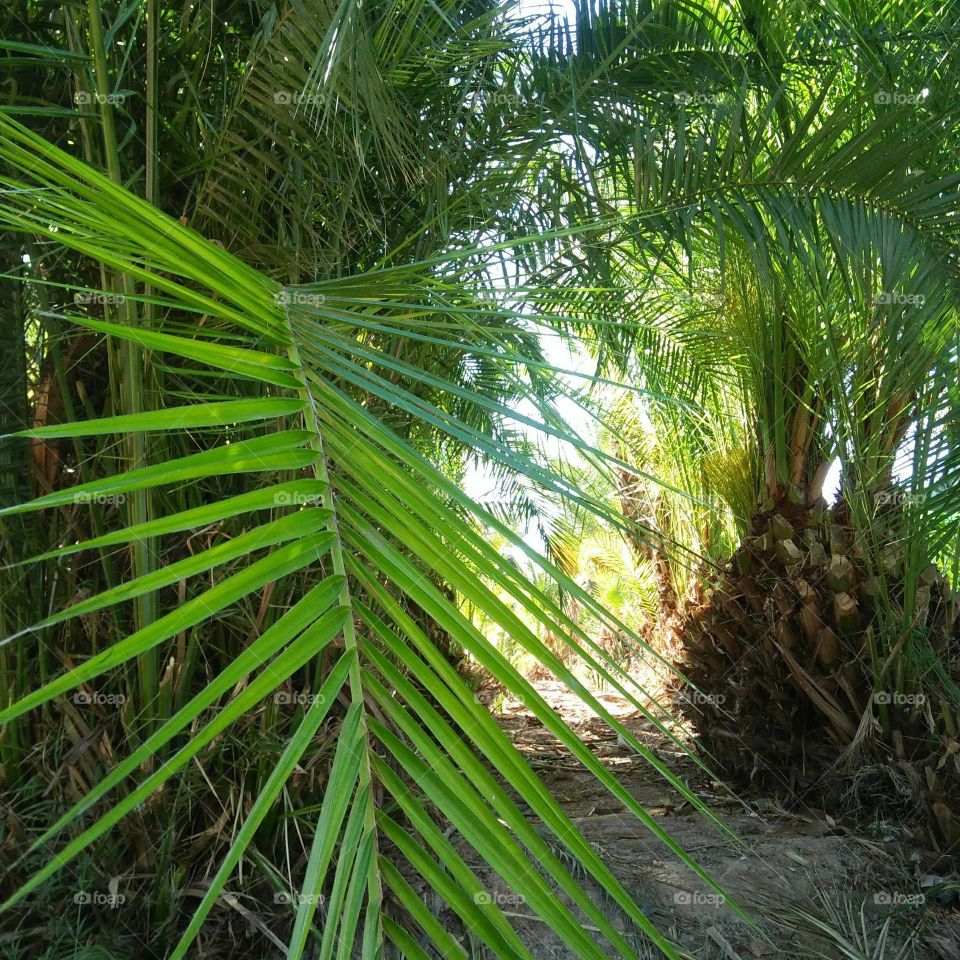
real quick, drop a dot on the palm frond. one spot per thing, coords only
(366, 491)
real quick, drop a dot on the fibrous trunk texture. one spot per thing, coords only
(782, 646)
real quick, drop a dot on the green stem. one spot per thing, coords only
(152, 183)
(374, 891)
(131, 381)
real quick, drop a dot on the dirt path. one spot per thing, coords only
(799, 876)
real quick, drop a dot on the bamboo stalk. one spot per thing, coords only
(131, 383)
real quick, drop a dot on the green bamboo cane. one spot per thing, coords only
(131, 384)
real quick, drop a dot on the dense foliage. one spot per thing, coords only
(278, 273)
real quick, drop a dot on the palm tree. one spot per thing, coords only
(785, 251)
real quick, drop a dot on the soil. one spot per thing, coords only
(813, 885)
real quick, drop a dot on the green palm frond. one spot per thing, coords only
(346, 491)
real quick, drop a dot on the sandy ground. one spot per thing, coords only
(797, 875)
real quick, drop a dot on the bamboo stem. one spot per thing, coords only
(131, 381)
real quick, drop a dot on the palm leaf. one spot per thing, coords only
(311, 422)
